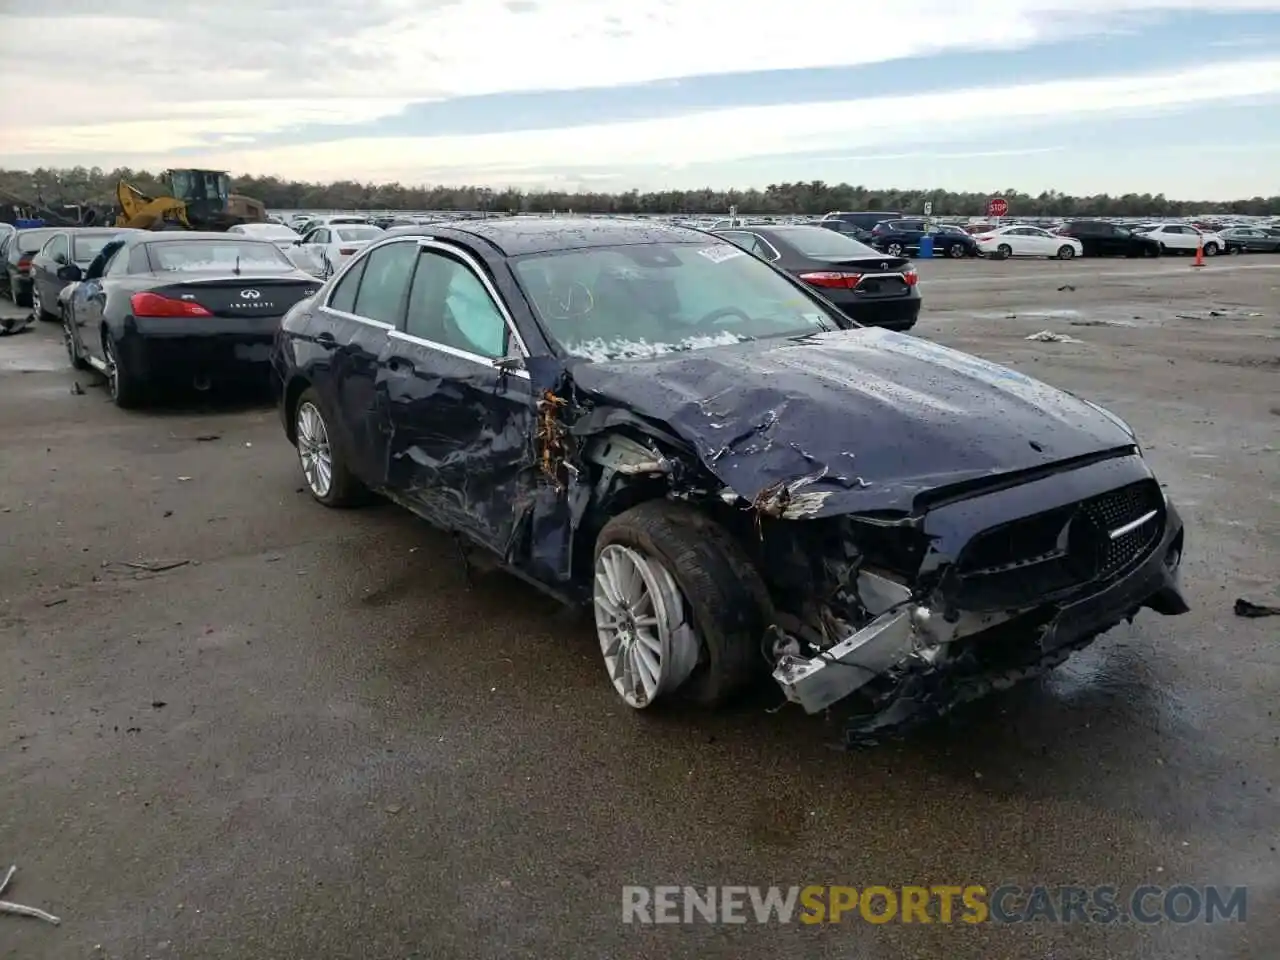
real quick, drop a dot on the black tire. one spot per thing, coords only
(1066, 252)
(956, 251)
(724, 595)
(1005, 251)
(345, 489)
(1210, 249)
(1234, 251)
(73, 351)
(126, 388)
(19, 299)
(38, 306)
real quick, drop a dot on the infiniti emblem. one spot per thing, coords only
(884, 266)
(250, 295)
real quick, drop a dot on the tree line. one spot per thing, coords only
(54, 188)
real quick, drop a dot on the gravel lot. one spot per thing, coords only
(314, 739)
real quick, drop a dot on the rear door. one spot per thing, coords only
(462, 439)
(364, 306)
(91, 299)
(316, 244)
(44, 269)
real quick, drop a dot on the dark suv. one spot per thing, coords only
(856, 225)
(1102, 239)
(897, 237)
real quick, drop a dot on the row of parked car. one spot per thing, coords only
(686, 434)
(896, 235)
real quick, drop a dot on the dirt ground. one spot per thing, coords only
(314, 739)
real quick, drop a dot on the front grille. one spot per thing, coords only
(1115, 510)
(1027, 560)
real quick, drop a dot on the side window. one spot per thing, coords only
(57, 247)
(344, 294)
(385, 282)
(449, 305)
(137, 261)
(319, 236)
(766, 250)
(747, 241)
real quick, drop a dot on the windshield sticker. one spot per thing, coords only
(721, 252)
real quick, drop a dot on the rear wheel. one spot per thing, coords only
(325, 465)
(68, 338)
(893, 249)
(123, 382)
(678, 607)
(38, 307)
(956, 251)
(1004, 250)
(1210, 249)
(1234, 251)
(1066, 252)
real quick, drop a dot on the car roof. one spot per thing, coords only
(165, 236)
(518, 236)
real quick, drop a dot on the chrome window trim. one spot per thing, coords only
(489, 362)
(426, 242)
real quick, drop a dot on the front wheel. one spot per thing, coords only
(1066, 252)
(956, 251)
(678, 607)
(325, 466)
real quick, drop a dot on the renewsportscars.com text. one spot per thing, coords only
(968, 904)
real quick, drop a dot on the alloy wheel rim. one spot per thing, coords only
(113, 374)
(313, 450)
(648, 648)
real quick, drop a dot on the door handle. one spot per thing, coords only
(325, 336)
(398, 365)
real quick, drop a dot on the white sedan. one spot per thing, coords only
(333, 245)
(1028, 242)
(1184, 238)
(277, 233)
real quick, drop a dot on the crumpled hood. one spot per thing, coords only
(881, 415)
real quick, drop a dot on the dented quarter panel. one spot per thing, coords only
(878, 416)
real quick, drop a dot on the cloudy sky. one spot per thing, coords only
(1082, 96)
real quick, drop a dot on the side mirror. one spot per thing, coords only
(70, 273)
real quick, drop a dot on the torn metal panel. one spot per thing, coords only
(886, 416)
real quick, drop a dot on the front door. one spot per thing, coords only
(462, 438)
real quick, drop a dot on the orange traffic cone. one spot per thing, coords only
(1199, 252)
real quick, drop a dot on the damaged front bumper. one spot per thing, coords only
(906, 636)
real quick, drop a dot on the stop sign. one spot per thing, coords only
(997, 207)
